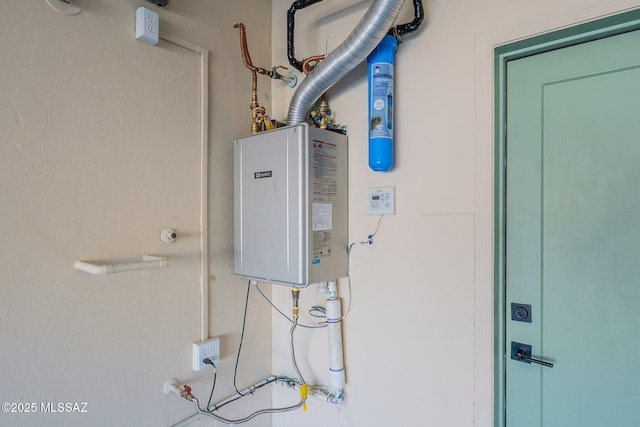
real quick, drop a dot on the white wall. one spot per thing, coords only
(85, 107)
(418, 340)
(99, 151)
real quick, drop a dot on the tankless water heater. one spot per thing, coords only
(290, 206)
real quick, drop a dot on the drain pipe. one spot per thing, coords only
(360, 43)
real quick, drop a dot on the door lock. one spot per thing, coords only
(522, 353)
(521, 312)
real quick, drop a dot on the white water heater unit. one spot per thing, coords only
(290, 206)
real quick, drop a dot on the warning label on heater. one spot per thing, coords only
(322, 224)
(322, 216)
(325, 164)
(325, 188)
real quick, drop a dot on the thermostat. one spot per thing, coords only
(382, 201)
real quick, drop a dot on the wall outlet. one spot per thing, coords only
(205, 349)
(147, 25)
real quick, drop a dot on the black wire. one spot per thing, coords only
(227, 402)
(235, 371)
(215, 376)
(240, 396)
(244, 323)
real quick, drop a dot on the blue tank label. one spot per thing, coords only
(381, 114)
(315, 261)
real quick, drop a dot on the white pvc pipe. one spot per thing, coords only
(204, 179)
(149, 261)
(171, 386)
(334, 326)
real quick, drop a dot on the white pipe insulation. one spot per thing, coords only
(376, 22)
(334, 326)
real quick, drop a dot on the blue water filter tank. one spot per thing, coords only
(381, 62)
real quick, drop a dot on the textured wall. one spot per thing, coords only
(99, 151)
(418, 340)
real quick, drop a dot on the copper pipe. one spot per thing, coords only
(246, 58)
(306, 68)
(305, 63)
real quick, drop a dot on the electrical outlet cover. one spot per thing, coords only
(205, 349)
(147, 25)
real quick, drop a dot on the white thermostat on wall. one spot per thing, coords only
(382, 201)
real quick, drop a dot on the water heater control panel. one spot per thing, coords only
(382, 201)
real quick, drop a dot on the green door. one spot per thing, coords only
(572, 245)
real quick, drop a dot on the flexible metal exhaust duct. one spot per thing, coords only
(360, 43)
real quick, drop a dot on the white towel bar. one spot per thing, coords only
(148, 261)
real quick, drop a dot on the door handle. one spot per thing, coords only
(522, 353)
